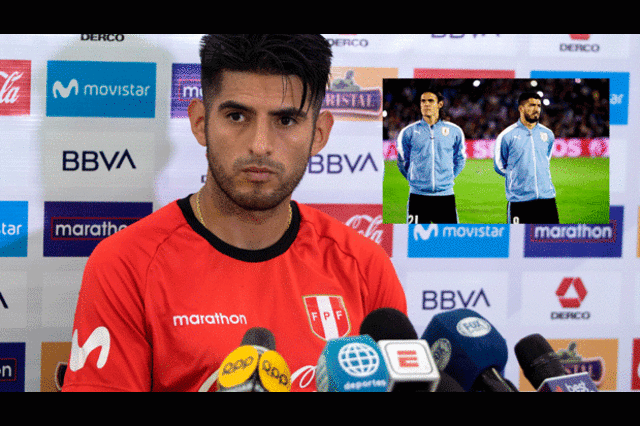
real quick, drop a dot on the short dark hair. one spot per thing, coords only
(307, 56)
(526, 96)
(432, 89)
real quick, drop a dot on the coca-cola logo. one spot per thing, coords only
(15, 87)
(9, 93)
(367, 226)
(366, 219)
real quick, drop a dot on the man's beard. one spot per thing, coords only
(256, 199)
(531, 118)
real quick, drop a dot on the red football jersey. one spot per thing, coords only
(164, 301)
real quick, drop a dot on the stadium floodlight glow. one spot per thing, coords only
(534, 83)
(476, 83)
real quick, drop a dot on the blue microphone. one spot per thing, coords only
(468, 348)
(352, 364)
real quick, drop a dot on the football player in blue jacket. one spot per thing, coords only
(522, 154)
(431, 154)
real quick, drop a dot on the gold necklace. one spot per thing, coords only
(201, 219)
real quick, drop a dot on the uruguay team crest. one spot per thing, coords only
(327, 316)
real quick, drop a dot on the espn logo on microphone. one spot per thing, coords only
(409, 360)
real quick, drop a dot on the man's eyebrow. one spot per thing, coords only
(283, 112)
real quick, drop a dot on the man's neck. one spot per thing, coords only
(244, 229)
(527, 124)
(431, 120)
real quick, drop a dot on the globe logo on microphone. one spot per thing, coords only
(358, 359)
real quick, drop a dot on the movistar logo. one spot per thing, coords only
(425, 234)
(458, 231)
(100, 338)
(59, 89)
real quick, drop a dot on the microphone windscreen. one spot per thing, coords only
(388, 324)
(464, 344)
(259, 336)
(538, 360)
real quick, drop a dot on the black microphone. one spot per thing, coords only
(542, 367)
(537, 359)
(409, 362)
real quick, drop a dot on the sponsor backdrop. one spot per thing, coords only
(95, 136)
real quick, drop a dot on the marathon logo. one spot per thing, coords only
(577, 240)
(75, 228)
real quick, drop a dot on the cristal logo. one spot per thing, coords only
(59, 89)
(100, 338)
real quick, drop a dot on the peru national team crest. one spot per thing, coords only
(328, 316)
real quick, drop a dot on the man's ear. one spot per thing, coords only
(197, 113)
(324, 124)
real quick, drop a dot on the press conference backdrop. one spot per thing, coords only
(94, 135)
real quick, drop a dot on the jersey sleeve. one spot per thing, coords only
(403, 146)
(385, 289)
(460, 154)
(109, 348)
(500, 155)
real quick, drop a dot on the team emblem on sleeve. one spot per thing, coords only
(328, 316)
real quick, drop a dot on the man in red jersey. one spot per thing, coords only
(164, 301)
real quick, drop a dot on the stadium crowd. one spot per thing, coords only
(572, 108)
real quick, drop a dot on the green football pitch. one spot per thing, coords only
(582, 191)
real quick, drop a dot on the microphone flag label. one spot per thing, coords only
(327, 316)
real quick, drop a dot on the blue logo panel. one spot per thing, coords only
(101, 89)
(73, 229)
(437, 240)
(12, 367)
(14, 228)
(576, 240)
(618, 90)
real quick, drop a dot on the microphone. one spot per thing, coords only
(542, 367)
(468, 348)
(255, 366)
(410, 365)
(351, 364)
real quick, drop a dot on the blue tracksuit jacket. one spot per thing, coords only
(522, 156)
(430, 157)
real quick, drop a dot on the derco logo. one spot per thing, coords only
(571, 302)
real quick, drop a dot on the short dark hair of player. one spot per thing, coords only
(432, 89)
(524, 97)
(307, 56)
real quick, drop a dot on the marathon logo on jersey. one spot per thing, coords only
(73, 229)
(328, 316)
(438, 240)
(14, 228)
(185, 86)
(576, 240)
(12, 366)
(101, 89)
(15, 87)
(618, 90)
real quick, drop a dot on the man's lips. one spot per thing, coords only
(258, 174)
